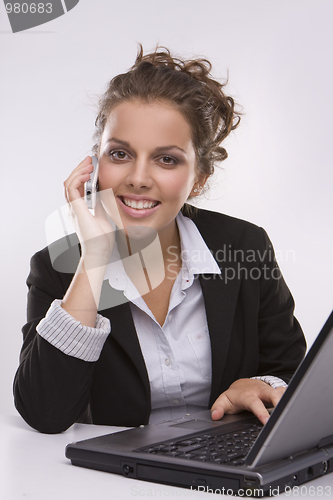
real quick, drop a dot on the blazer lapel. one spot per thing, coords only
(123, 331)
(220, 301)
(220, 292)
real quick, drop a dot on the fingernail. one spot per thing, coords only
(214, 412)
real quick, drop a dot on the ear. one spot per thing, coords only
(199, 185)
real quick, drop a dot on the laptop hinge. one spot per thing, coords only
(325, 441)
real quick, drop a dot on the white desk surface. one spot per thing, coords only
(33, 466)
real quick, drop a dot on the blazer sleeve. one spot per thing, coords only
(281, 341)
(51, 389)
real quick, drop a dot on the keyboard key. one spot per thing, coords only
(215, 447)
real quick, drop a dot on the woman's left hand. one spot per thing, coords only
(247, 394)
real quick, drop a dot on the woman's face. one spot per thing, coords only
(148, 159)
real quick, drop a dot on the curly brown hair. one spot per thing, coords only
(188, 85)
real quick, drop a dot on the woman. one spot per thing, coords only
(214, 329)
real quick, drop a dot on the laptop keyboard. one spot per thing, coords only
(212, 446)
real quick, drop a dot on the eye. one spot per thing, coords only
(168, 160)
(118, 155)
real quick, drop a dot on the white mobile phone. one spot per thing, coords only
(90, 187)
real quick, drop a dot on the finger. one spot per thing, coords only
(255, 403)
(221, 406)
(85, 166)
(84, 163)
(75, 189)
(270, 395)
(257, 407)
(276, 395)
(79, 208)
(74, 186)
(82, 168)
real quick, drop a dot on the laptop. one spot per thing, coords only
(236, 455)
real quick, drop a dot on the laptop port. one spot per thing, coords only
(325, 467)
(250, 479)
(127, 469)
(310, 472)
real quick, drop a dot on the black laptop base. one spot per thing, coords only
(294, 447)
(244, 483)
(269, 480)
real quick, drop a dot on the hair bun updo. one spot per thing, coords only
(189, 86)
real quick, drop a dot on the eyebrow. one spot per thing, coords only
(160, 148)
(125, 143)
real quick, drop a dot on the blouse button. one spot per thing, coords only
(168, 361)
(175, 401)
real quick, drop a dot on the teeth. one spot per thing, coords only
(139, 205)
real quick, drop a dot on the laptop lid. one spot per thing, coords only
(303, 417)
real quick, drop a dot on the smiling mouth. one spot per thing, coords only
(140, 204)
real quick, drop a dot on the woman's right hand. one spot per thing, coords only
(95, 232)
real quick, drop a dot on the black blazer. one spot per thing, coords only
(250, 319)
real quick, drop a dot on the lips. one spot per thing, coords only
(139, 204)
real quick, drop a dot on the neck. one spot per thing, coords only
(137, 239)
(129, 244)
(170, 243)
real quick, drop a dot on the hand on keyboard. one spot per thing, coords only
(247, 394)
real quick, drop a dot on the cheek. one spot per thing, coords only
(107, 177)
(181, 185)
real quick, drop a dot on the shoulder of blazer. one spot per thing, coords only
(219, 229)
(55, 263)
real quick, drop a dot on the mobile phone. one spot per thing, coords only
(90, 187)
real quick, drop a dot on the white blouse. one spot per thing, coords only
(178, 353)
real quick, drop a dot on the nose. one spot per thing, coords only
(139, 175)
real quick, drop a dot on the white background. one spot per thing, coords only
(279, 172)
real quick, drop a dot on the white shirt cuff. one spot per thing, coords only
(68, 335)
(272, 381)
